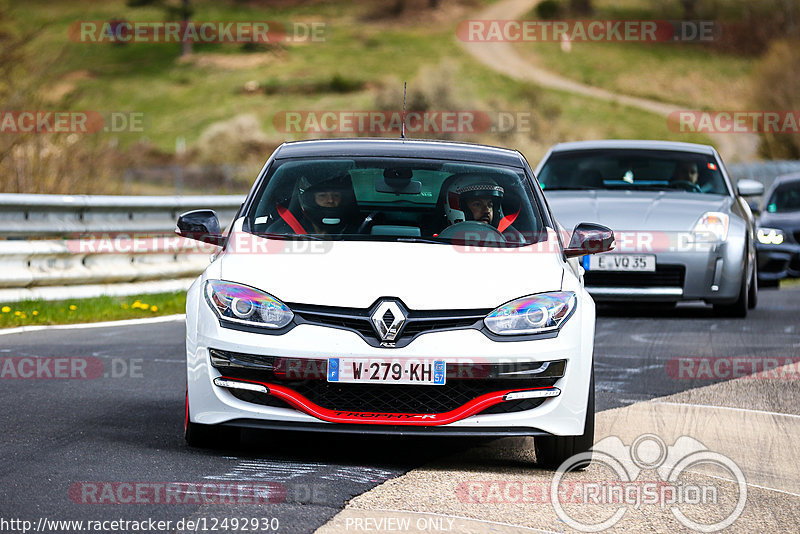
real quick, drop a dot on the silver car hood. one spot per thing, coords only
(634, 210)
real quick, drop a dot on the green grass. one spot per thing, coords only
(690, 75)
(181, 99)
(679, 74)
(564, 116)
(40, 312)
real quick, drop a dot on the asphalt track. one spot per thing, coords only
(67, 441)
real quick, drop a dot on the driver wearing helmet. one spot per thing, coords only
(319, 206)
(474, 199)
(479, 199)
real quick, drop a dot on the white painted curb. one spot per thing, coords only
(105, 324)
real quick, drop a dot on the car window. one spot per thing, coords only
(632, 170)
(786, 197)
(397, 199)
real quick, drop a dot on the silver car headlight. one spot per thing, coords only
(769, 236)
(246, 305)
(712, 227)
(533, 314)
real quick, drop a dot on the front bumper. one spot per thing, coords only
(560, 415)
(713, 276)
(776, 262)
(388, 430)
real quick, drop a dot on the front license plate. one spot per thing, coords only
(620, 262)
(385, 370)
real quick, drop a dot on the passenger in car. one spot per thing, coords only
(319, 206)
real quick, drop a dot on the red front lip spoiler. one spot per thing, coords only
(474, 406)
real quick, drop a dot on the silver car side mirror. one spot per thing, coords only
(749, 188)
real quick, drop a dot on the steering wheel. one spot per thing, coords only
(368, 223)
(687, 186)
(473, 232)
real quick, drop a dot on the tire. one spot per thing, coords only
(208, 436)
(552, 451)
(752, 298)
(738, 308)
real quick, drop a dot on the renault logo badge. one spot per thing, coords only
(388, 319)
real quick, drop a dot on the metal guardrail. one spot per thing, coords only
(43, 253)
(63, 240)
(29, 216)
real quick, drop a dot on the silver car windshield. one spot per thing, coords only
(633, 170)
(396, 199)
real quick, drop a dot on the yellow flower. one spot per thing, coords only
(6, 309)
(153, 308)
(136, 304)
(17, 313)
(23, 316)
(125, 306)
(34, 312)
(72, 307)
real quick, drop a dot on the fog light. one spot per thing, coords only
(234, 384)
(534, 394)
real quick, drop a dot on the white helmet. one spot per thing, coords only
(471, 186)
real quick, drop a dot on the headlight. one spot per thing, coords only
(711, 228)
(533, 314)
(246, 305)
(770, 236)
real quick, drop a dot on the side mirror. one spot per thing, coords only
(589, 238)
(201, 225)
(749, 188)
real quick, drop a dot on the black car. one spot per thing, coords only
(778, 234)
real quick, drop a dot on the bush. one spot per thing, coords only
(549, 9)
(232, 141)
(435, 88)
(337, 83)
(746, 26)
(777, 88)
(342, 84)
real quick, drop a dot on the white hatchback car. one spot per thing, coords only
(393, 286)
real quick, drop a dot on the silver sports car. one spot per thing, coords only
(683, 231)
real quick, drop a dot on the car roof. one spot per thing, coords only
(633, 144)
(786, 178)
(383, 147)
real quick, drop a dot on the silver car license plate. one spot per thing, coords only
(620, 262)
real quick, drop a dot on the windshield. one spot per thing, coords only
(633, 170)
(396, 199)
(786, 197)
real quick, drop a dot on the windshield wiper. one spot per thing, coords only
(289, 237)
(571, 188)
(420, 240)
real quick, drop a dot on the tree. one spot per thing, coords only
(689, 9)
(581, 7)
(182, 11)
